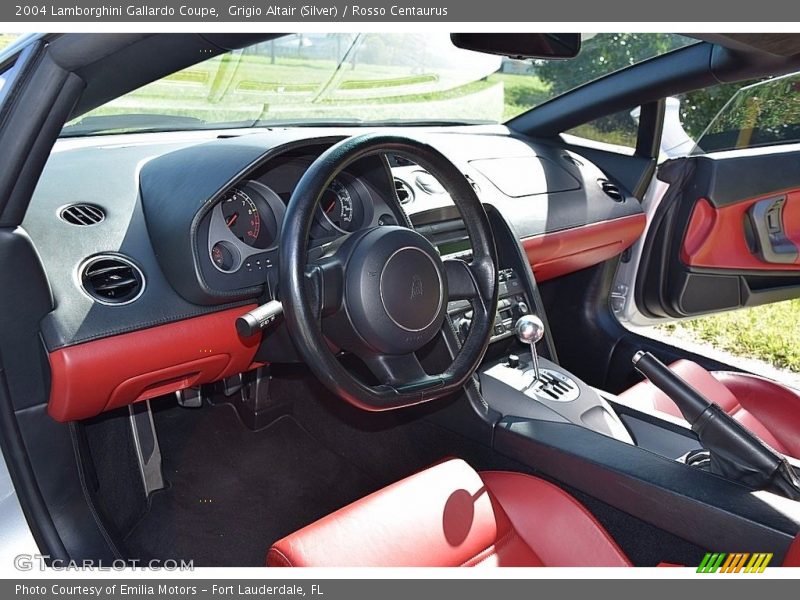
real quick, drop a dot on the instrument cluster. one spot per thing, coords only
(243, 229)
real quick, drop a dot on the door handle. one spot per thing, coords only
(770, 243)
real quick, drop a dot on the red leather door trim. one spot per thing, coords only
(560, 252)
(89, 378)
(715, 237)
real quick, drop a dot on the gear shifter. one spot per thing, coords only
(529, 330)
(539, 389)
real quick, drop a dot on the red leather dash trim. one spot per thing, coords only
(558, 253)
(89, 378)
(715, 237)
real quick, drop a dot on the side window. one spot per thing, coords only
(762, 114)
(619, 129)
(689, 115)
(6, 75)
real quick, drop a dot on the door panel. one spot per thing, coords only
(771, 228)
(726, 234)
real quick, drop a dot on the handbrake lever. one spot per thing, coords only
(735, 452)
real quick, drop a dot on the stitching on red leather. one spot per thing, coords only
(491, 548)
(569, 498)
(280, 556)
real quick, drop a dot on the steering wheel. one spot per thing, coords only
(382, 294)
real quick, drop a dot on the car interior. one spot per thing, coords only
(364, 344)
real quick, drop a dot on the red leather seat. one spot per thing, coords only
(766, 408)
(450, 515)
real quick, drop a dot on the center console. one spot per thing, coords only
(512, 303)
(586, 439)
(511, 384)
(512, 387)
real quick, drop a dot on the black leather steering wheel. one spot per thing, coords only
(383, 293)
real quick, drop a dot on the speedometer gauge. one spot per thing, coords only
(338, 207)
(345, 206)
(242, 216)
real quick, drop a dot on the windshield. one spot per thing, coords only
(339, 78)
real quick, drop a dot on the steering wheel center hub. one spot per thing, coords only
(395, 290)
(411, 288)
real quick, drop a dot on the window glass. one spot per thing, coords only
(7, 38)
(762, 114)
(619, 129)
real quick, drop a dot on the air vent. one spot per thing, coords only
(395, 160)
(429, 183)
(112, 279)
(572, 160)
(82, 214)
(404, 192)
(474, 185)
(611, 190)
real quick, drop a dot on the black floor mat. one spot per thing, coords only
(234, 491)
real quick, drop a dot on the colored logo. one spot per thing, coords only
(737, 562)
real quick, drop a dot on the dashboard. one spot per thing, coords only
(153, 243)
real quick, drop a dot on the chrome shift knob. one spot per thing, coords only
(529, 330)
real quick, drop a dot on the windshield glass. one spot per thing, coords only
(339, 78)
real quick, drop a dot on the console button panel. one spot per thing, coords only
(512, 303)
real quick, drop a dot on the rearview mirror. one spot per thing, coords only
(521, 45)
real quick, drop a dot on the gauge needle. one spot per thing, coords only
(232, 219)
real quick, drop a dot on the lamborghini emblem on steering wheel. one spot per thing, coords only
(416, 287)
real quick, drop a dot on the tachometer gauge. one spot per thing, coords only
(242, 216)
(338, 207)
(243, 228)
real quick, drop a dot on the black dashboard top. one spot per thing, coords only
(199, 214)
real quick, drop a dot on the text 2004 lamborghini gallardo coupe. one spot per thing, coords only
(304, 300)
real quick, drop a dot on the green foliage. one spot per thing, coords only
(521, 92)
(604, 53)
(768, 113)
(608, 52)
(698, 108)
(621, 133)
(770, 333)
